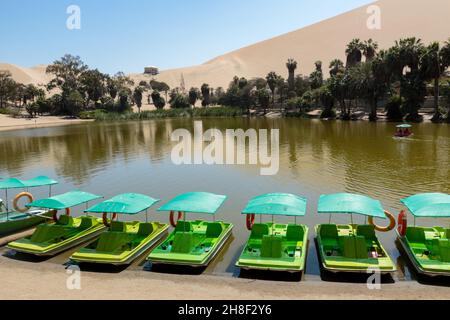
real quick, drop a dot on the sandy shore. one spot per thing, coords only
(26, 280)
(9, 123)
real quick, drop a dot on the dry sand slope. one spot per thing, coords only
(324, 41)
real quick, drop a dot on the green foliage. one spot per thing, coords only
(206, 95)
(178, 101)
(394, 110)
(194, 95)
(158, 101)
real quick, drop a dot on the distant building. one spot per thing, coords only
(151, 71)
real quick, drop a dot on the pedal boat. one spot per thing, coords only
(192, 243)
(427, 248)
(124, 241)
(353, 248)
(67, 232)
(273, 246)
(22, 218)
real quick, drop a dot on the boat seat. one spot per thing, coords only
(86, 223)
(214, 230)
(118, 226)
(271, 247)
(447, 233)
(183, 226)
(416, 238)
(183, 242)
(294, 233)
(329, 231)
(367, 231)
(111, 241)
(259, 230)
(65, 220)
(444, 249)
(46, 233)
(145, 229)
(353, 247)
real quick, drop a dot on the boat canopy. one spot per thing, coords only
(351, 204)
(281, 204)
(433, 205)
(128, 203)
(404, 126)
(64, 201)
(195, 202)
(14, 183)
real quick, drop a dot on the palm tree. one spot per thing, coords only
(272, 80)
(370, 48)
(194, 95)
(336, 66)
(292, 66)
(354, 53)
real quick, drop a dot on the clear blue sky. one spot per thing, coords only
(126, 35)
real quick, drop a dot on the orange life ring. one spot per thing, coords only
(402, 223)
(105, 219)
(391, 226)
(250, 221)
(55, 214)
(20, 196)
(174, 223)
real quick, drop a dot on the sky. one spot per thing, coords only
(127, 35)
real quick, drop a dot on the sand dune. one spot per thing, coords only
(324, 41)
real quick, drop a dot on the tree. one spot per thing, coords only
(263, 99)
(327, 100)
(316, 77)
(369, 48)
(272, 80)
(282, 88)
(74, 103)
(336, 66)
(158, 101)
(66, 72)
(194, 95)
(7, 87)
(291, 66)
(206, 94)
(137, 97)
(354, 53)
(160, 86)
(124, 100)
(178, 101)
(93, 82)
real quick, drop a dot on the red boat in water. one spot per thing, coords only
(404, 131)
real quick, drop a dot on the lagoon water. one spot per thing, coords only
(316, 157)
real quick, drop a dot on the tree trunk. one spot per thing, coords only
(373, 110)
(437, 115)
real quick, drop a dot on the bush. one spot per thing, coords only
(394, 109)
(179, 101)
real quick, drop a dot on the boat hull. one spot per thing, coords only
(19, 222)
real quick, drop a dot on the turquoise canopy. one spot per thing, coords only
(63, 201)
(128, 203)
(404, 126)
(14, 183)
(195, 202)
(351, 204)
(433, 205)
(281, 204)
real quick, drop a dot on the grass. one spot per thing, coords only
(101, 115)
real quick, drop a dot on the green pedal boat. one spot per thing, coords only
(427, 248)
(22, 218)
(353, 248)
(67, 232)
(193, 243)
(271, 246)
(125, 241)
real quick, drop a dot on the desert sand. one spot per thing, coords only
(325, 41)
(8, 123)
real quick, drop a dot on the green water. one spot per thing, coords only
(315, 157)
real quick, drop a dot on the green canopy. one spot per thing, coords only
(433, 205)
(14, 183)
(404, 126)
(128, 203)
(281, 204)
(195, 202)
(63, 201)
(350, 204)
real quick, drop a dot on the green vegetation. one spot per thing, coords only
(399, 79)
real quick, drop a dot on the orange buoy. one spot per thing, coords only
(250, 221)
(105, 219)
(55, 214)
(402, 223)
(391, 225)
(20, 196)
(174, 223)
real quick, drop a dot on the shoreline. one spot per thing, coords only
(48, 281)
(11, 124)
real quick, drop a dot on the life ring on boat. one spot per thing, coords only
(55, 214)
(174, 223)
(250, 221)
(402, 223)
(105, 219)
(391, 226)
(20, 196)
